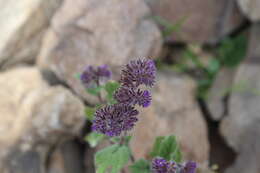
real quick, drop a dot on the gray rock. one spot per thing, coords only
(201, 20)
(22, 26)
(173, 111)
(94, 33)
(220, 89)
(34, 118)
(241, 127)
(250, 8)
(249, 153)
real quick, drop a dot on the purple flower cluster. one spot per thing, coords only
(121, 117)
(138, 72)
(131, 96)
(93, 75)
(113, 119)
(160, 165)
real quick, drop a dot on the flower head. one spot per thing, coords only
(132, 96)
(94, 75)
(112, 120)
(190, 167)
(138, 72)
(103, 71)
(160, 165)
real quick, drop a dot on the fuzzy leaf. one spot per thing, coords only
(233, 50)
(112, 158)
(167, 148)
(140, 166)
(90, 111)
(110, 88)
(94, 138)
(94, 91)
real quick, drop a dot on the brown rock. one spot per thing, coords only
(173, 111)
(250, 8)
(201, 21)
(22, 26)
(241, 127)
(97, 32)
(34, 117)
(66, 158)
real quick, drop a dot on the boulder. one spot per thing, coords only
(174, 110)
(199, 21)
(22, 26)
(94, 33)
(219, 91)
(250, 8)
(66, 158)
(34, 118)
(241, 127)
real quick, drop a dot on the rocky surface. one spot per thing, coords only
(201, 21)
(241, 127)
(173, 111)
(75, 38)
(250, 8)
(34, 118)
(66, 158)
(22, 26)
(219, 91)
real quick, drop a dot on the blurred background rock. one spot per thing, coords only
(207, 94)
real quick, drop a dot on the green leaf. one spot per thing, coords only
(112, 158)
(168, 27)
(94, 138)
(110, 88)
(213, 66)
(233, 50)
(117, 139)
(94, 91)
(90, 111)
(167, 148)
(140, 166)
(156, 146)
(77, 76)
(192, 57)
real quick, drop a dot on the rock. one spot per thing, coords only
(66, 158)
(250, 8)
(23, 162)
(75, 38)
(241, 127)
(173, 111)
(34, 118)
(249, 153)
(200, 21)
(22, 27)
(220, 89)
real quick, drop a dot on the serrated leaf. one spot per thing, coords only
(117, 139)
(110, 88)
(177, 156)
(156, 146)
(140, 166)
(94, 138)
(167, 148)
(233, 50)
(112, 158)
(94, 91)
(89, 112)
